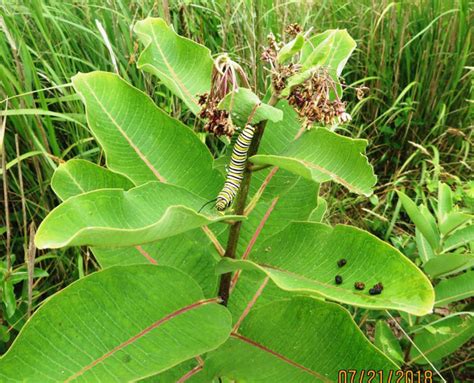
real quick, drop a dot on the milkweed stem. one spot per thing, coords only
(240, 202)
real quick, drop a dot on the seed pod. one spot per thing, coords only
(359, 285)
(338, 279)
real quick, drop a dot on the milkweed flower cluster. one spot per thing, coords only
(226, 77)
(312, 100)
(316, 99)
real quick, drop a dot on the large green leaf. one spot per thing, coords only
(279, 135)
(78, 176)
(120, 324)
(321, 155)
(113, 217)
(181, 64)
(191, 252)
(295, 340)
(249, 285)
(140, 140)
(440, 339)
(286, 198)
(455, 289)
(242, 103)
(303, 257)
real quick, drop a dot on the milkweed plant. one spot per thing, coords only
(217, 266)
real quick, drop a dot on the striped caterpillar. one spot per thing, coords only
(236, 168)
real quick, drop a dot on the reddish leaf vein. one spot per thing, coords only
(141, 334)
(281, 357)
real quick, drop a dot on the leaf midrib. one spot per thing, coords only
(173, 73)
(139, 153)
(279, 356)
(321, 169)
(142, 333)
(302, 277)
(142, 156)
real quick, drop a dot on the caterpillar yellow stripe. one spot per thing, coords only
(235, 172)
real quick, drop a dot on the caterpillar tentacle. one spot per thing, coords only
(235, 172)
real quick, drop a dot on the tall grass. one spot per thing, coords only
(416, 57)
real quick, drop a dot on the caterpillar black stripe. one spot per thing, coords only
(235, 172)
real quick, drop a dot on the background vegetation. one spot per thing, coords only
(416, 57)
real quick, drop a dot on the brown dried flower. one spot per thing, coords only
(311, 99)
(293, 29)
(361, 91)
(271, 51)
(225, 78)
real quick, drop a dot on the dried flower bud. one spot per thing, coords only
(361, 91)
(226, 77)
(202, 98)
(293, 29)
(271, 51)
(311, 100)
(345, 117)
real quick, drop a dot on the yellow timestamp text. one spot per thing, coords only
(379, 376)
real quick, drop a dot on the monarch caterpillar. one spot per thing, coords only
(235, 172)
